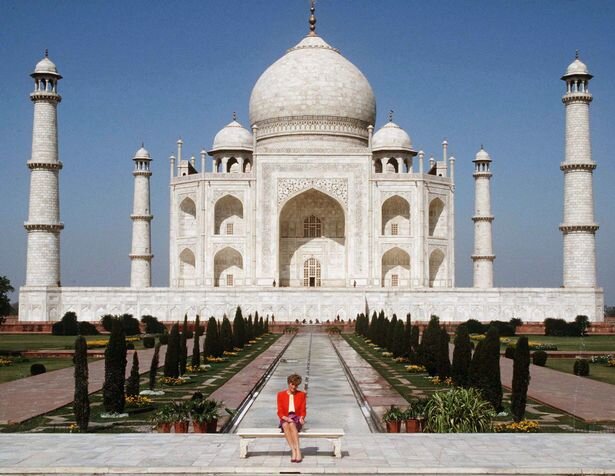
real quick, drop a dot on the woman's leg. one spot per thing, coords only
(295, 439)
(286, 427)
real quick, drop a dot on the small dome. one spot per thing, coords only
(46, 66)
(391, 137)
(312, 79)
(482, 155)
(142, 153)
(577, 67)
(232, 137)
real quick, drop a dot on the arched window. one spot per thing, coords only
(311, 273)
(228, 267)
(378, 166)
(395, 216)
(392, 166)
(312, 227)
(232, 166)
(228, 209)
(436, 269)
(395, 268)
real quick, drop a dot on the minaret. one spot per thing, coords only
(578, 228)
(43, 225)
(141, 254)
(483, 243)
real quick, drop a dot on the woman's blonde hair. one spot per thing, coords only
(294, 379)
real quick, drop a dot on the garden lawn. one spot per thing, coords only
(21, 368)
(22, 342)
(600, 372)
(412, 386)
(586, 343)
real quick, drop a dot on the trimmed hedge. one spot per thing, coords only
(539, 358)
(37, 369)
(581, 367)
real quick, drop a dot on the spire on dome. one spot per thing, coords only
(47, 53)
(576, 55)
(391, 115)
(312, 19)
(234, 116)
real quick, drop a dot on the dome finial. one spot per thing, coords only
(391, 115)
(46, 53)
(576, 55)
(312, 19)
(234, 116)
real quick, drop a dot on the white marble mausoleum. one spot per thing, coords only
(311, 211)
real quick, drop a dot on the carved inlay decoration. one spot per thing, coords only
(337, 188)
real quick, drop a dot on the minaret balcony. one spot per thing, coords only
(569, 166)
(51, 227)
(45, 96)
(590, 228)
(569, 98)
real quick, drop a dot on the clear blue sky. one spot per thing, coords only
(475, 72)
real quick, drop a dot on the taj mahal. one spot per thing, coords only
(311, 211)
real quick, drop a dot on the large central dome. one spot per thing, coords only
(313, 89)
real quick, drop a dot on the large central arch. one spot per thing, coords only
(312, 225)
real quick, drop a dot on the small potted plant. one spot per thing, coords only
(198, 415)
(414, 415)
(393, 417)
(181, 416)
(211, 413)
(163, 419)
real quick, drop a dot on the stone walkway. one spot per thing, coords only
(416, 454)
(587, 399)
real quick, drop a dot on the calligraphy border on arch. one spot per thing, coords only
(337, 188)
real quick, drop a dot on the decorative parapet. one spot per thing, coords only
(483, 218)
(142, 217)
(483, 257)
(577, 97)
(45, 165)
(45, 96)
(568, 166)
(332, 125)
(582, 228)
(52, 227)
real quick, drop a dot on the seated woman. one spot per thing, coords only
(291, 411)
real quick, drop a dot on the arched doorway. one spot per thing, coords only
(311, 273)
(395, 268)
(312, 226)
(436, 270)
(228, 216)
(228, 268)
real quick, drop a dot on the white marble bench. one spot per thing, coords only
(247, 435)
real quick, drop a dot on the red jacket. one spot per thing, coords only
(283, 399)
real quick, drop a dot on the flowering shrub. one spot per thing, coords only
(5, 362)
(525, 426)
(211, 358)
(228, 353)
(601, 359)
(252, 341)
(201, 368)
(438, 381)
(73, 428)
(171, 381)
(611, 363)
(387, 354)
(401, 360)
(541, 346)
(101, 343)
(138, 401)
(416, 369)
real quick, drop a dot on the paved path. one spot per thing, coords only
(371, 453)
(590, 400)
(331, 402)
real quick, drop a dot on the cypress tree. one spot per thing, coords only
(476, 364)
(398, 347)
(257, 330)
(391, 333)
(249, 329)
(462, 356)
(213, 346)
(171, 359)
(226, 335)
(267, 325)
(408, 336)
(414, 344)
(132, 384)
(196, 345)
(115, 370)
(372, 328)
(430, 346)
(444, 361)
(153, 368)
(183, 347)
(81, 403)
(261, 326)
(239, 329)
(381, 329)
(520, 379)
(485, 374)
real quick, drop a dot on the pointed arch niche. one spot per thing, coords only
(187, 268)
(187, 217)
(228, 211)
(228, 268)
(437, 273)
(312, 225)
(395, 268)
(437, 218)
(395, 216)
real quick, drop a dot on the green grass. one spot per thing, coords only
(599, 372)
(551, 419)
(22, 342)
(21, 368)
(59, 420)
(587, 343)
